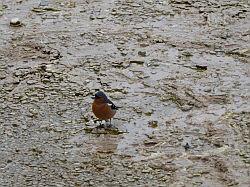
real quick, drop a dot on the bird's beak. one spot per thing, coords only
(93, 97)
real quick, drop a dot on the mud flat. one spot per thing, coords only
(179, 69)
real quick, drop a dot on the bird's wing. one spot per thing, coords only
(112, 105)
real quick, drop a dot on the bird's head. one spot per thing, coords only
(100, 96)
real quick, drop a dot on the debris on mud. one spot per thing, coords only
(201, 68)
(111, 131)
(187, 146)
(44, 9)
(153, 124)
(2, 7)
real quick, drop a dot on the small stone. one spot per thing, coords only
(207, 89)
(153, 124)
(114, 12)
(186, 146)
(144, 44)
(150, 143)
(196, 175)
(131, 179)
(100, 167)
(146, 170)
(92, 17)
(15, 22)
(124, 53)
(45, 80)
(100, 17)
(142, 53)
(137, 61)
(201, 67)
(9, 161)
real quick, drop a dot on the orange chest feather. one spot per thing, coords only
(102, 111)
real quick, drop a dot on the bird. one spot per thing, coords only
(102, 107)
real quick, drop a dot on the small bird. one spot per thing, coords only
(102, 107)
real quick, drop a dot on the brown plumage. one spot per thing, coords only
(102, 107)
(102, 110)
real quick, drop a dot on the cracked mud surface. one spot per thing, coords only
(179, 69)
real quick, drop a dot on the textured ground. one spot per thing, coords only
(179, 69)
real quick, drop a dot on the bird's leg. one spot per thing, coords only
(110, 124)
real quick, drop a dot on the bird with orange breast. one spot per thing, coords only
(102, 107)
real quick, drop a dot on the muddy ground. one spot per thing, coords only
(179, 69)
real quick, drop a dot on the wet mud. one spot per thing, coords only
(178, 68)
